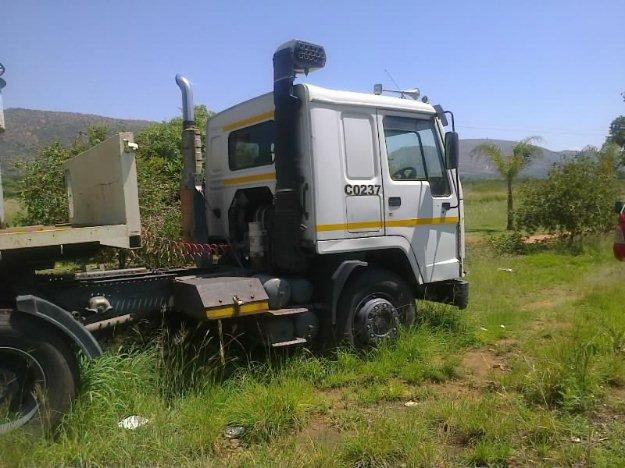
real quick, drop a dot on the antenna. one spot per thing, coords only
(392, 79)
(412, 93)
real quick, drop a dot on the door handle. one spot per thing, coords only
(446, 206)
(394, 201)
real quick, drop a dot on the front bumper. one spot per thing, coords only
(454, 292)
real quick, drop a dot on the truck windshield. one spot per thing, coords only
(414, 153)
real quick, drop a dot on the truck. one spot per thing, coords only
(316, 215)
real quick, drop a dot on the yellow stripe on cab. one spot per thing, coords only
(248, 121)
(410, 222)
(267, 176)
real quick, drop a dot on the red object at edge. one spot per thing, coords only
(619, 239)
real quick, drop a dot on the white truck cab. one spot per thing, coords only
(313, 215)
(373, 168)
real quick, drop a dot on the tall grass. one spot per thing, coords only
(178, 382)
(573, 370)
(556, 321)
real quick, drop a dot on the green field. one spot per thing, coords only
(485, 206)
(532, 373)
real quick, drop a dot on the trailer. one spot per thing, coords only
(315, 213)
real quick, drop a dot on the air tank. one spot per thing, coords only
(278, 290)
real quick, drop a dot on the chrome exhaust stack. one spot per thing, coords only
(188, 112)
(192, 181)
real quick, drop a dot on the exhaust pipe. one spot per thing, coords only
(2, 85)
(194, 227)
(289, 60)
(188, 113)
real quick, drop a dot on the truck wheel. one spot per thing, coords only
(38, 373)
(372, 307)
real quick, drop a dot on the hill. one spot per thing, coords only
(474, 168)
(28, 130)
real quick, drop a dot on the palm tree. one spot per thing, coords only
(509, 165)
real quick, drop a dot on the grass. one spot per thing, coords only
(12, 210)
(532, 373)
(12, 204)
(485, 206)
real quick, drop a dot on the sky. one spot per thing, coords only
(507, 69)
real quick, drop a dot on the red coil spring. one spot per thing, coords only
(196, 249)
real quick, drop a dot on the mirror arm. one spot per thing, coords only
(453, 121)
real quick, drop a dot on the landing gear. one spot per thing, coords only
(373, 306)
(38, 373)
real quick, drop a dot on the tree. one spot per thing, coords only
(615, 141)
(42, 186)
(576, 199)
(159, 169)
(617, 131)
(509, 165)
(159, 166)
(159, 162)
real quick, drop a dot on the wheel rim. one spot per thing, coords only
(21, 381)
(376, 319)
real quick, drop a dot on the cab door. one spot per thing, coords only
(419, 203)
(362, 184)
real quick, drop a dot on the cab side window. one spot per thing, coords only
(251, 146)
(359, 141)
(414, 153)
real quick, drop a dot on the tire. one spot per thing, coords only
(38, 373)
(370, 289)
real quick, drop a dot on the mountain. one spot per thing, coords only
(27, 130)
(475, 168)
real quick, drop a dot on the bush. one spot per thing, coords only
(508, 243)
(159, 166)
(575, 200)
(47, 206)
(159, 169)
(42, 186)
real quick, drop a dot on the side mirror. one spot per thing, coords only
(618, 207)
(452, 150)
